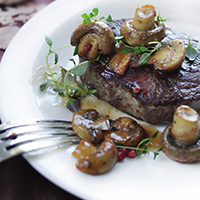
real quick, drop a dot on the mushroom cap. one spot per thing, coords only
(135, 37)
(177, 152)
(101, 29)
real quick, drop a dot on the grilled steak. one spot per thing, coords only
(147, 93)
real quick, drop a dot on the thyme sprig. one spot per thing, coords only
(66, 83)
(142, 147)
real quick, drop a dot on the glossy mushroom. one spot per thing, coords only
(125, 131)
(88, 125)
(170, 56)
(143, 28)
(181, 139)
(96, 160)
(92, 38)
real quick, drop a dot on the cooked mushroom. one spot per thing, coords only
(125, 131)
(181, 139)
(92, 160)
(92, 38)
(89, 125)
(119, 62)
(143, 28)
(170, 56)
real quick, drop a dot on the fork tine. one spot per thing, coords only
(51, 123)
(7, 129)
(21, 148)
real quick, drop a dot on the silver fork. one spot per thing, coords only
(26, 136)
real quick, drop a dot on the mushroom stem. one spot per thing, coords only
(186, 127)
(144, 17)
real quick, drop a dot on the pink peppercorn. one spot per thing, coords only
(87, 48)
(132, 153)
(121, 156)
(124, 151)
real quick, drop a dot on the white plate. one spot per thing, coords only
(142, 178)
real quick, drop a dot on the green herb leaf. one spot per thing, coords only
(160, 19)
(48, 40)
(95, 11)
(191, 52)
(92, 91)
(102, 19)
(59, 89)
(109, 18)
(84, 16)
(56, 58)
(80, 69)
(75, 50)
(44, 85)
(144, 59)
(73, 105)
(127, 50)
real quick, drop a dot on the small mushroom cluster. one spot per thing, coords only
(97, 153)
(97, 37)
(181, 139)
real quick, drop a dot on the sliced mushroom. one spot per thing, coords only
(119, 62)
(92, 160)
(170, 56)
(89, 125)
(181, 139)
(92, 38)
(125, 131)
(143, 28)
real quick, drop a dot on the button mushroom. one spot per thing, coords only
(125, 131)
(181, 139)
(88, 125)
(92, 38)
(143, 28)
(96, 160)
(170, 56)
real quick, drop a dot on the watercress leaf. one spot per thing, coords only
(109, 18)
(95, 11)
(144, 59)
(75, 50)
(79, 69)
(56, 58)
(44, 85)
(91, 15)
(48, 40)
(191, 52)
(73, 105)
(86, 21)
(84, 15)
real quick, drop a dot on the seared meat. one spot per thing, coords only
(147, 93)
